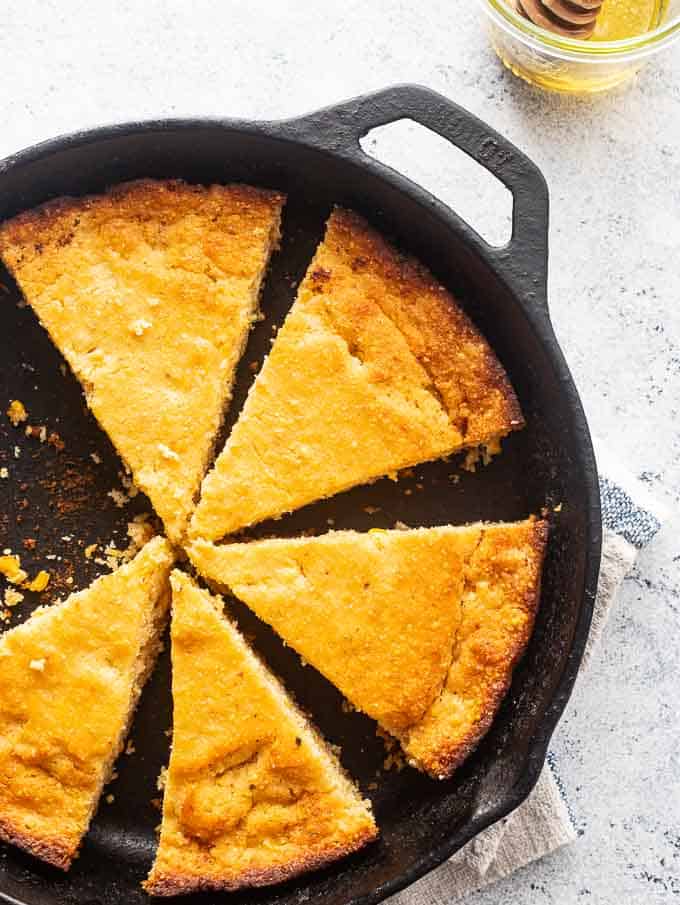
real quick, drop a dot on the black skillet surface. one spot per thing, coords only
(318, 161)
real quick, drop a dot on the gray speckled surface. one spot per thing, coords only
(613, 164)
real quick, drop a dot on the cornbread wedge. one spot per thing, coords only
(252, 795)
(149, 292)
(420, 629)
(375, 369)
(70, 678)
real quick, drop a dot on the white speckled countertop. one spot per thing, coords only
(613, 165)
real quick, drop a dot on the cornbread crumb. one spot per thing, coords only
(96, 458)
(114, 556)
(139, 530)
(17, 452)
(119, 498)
(39, 583)
(130, 747)
(10, 567)
(55, 440)
(36, 431)
(89, 551)
(162, 779)
(129, 485)
(140, 325)
(482, 453)
(110, 798)
(17, 412)
(12, 597)
(557, 508)
(472, 457)
(4, 472)
(167, 453)
(38, 665)
(394, 757)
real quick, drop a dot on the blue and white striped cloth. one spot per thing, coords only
(544, 823)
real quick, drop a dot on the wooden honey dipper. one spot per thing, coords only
(570, 18)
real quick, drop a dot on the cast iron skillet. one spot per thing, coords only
(318, 161)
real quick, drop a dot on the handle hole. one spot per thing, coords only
(448, 173)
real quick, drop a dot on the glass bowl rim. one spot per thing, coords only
(506, 17)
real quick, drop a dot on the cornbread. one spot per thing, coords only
(252, 795)
(376, 613)
(375, 369)
(149, 292)
(420, 629)
(70, 678)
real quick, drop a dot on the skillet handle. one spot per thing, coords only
(523, 262)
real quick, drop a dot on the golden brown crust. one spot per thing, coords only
(147, 200)
(471, 381)
(493, 637)
(149, 292)
(178, 884)
(52, 851)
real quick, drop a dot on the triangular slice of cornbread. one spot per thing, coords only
(252, 794)
(420, 629)
(375, 369)
(376, 613)
(149, 292)
(70, 678)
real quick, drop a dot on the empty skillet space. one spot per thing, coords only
(418, 817)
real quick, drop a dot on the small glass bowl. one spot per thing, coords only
(569, 65)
